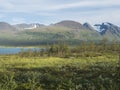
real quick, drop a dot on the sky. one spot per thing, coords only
(52, 11)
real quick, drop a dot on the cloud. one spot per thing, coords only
(18, 20)
(51, 5)
(5, 5)
(86, 3)
(1, 15)
(20, 11)
(92, 17)
(46, 14)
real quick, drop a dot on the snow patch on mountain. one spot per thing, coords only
(28, 26)
(102, 27)
(32, 27)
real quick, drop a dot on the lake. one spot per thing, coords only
(14, 50)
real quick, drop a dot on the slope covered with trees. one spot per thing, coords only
(67, 31)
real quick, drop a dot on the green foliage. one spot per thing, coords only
(7, 82)
(60, 50)
(88, 66)
(51, 35)
(98, 76)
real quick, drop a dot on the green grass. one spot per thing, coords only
(34, 62)
(54, 73)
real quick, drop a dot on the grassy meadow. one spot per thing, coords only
(53, 73)
(58, 69)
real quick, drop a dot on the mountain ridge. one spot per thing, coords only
(23, 26)
(6, 26)
(67, 30)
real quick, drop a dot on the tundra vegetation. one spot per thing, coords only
(88, 66)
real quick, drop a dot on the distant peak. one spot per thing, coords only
(69, 21)
(101, 27)
(6, 26)
(70, 24)
(28, 26)
(4, 23)
(107, 27)
(88, 26)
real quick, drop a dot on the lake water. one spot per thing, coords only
(14, 50)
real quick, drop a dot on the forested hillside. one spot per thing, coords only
(67, 31)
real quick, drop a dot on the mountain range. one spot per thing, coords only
(23, 26)
(67, 30)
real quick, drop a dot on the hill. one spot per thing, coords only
(23, 26)
(68, 31)
(6, 27)
(70, 24)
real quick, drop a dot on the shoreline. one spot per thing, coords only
(23, 46)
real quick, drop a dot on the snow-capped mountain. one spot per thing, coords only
(107, 27)
(64, 30)
(102, 27)
(28, 26)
